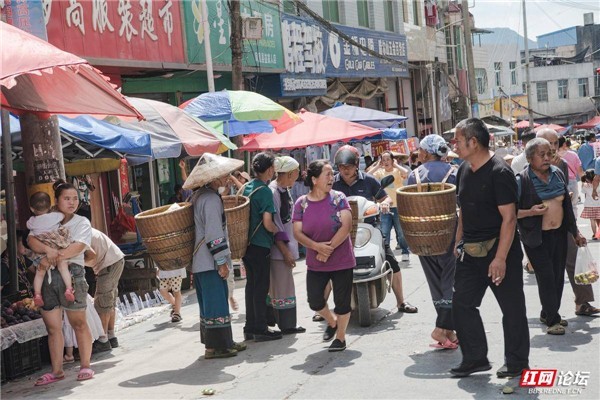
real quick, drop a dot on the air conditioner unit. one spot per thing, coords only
(252, 28)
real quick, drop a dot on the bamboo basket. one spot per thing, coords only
(354, 208)
(427, 217)
(168, 236)
(237, 212)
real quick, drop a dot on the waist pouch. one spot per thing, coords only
(479, 249)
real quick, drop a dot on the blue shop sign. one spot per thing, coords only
(27, 15)
(346, 60)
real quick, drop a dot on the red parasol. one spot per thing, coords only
(525, 124)
(37, 77)
(557, 128)
(316, 129)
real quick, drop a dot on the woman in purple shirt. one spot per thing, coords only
(322, 223)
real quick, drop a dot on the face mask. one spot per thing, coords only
(222, 189)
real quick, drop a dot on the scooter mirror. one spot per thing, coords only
(387, 181)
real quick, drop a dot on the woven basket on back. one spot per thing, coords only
(168, 235)
(354, 208)
(427, 218)
(237, 211)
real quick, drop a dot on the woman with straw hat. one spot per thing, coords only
(284, 253)
(212, 257)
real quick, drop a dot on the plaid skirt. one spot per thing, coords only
(591, 213)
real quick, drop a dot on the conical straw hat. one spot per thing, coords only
(209, 168)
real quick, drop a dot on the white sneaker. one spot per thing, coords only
(405, 257)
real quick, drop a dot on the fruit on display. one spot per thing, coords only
(18, 312)
(587, 277)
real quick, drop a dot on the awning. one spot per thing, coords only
(591, 124)
(365, 116)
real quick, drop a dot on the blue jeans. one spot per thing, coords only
(387, 220)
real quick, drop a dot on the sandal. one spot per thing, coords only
(85, 374)
(239, 346)
(70, 294)
(447, 345)
(406, 307)
(317, 318)
(587, 310)
(48, 378)
(68, 360)
(220, 353)
(555, 329)
(176, 318)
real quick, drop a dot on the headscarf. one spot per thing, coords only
(286, 164)
(434, 144)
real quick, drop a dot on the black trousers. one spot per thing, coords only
(257, 262)
(470, 284)
(549, 261)
(439, 271)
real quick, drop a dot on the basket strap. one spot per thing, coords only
(198, 247)
(448, 174)
(418, 179)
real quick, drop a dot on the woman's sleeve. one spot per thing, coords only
(214, 235)
(298, 210)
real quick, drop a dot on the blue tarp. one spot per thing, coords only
(390, 134)
(98, 133)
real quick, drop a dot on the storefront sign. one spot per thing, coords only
(310, 49)
(515, 106)
(413, 144)
(346, 60)
(302, 85)
(263, 53)
(124, 177)
(26, 15)
(145, 30)
(400, 146)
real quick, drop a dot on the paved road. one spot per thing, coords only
(391, 359)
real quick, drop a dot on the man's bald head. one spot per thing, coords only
(550, 135)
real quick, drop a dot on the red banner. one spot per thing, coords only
(144, 30)
(400, 146)
(379, 147)
(124, 177)
(413, 144)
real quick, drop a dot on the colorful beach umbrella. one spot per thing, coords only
(240, 112)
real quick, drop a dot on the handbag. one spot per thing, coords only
(479, 249)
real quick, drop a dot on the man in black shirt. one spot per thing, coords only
(489, 254)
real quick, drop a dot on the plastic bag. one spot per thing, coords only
(586, 267)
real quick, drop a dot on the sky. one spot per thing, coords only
(543, 16)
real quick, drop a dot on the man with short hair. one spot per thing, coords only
(520, 161)
(489, 254)
(587, 152)
(584, 294)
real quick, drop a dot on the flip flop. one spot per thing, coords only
(85, 374)
(47, 379)
(587, 310)
(67, 360)
(317, 318)
(447, 345)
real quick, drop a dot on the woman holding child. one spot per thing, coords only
(53, 293)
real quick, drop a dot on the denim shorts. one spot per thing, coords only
(54, 293)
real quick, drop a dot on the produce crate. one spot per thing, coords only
(21, 359)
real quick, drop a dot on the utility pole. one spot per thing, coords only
(237, 80)
(470, 64)
(207, 49)
(434, 100)
(527, 81)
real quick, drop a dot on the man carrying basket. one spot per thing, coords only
(212, 257)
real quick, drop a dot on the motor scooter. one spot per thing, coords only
(372, 273)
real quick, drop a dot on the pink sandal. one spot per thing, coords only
(38, 300)
(70, 294)
(85, 374)
(48, 378)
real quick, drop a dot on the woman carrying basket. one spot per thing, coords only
(212, 257)
(439, 270)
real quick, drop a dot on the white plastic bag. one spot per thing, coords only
(586, 267)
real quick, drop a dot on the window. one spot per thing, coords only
(388, 15)
(289, 7)
(584, 90)
(512, 65)
(449, 50)
(331, 10)
(363, 13)
(542, 91)
(458, 49)
(405, 11)
(563, 88)
(481, 80)
(498, 73)
(416, 13)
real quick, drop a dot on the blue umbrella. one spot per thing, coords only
(365, 116)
